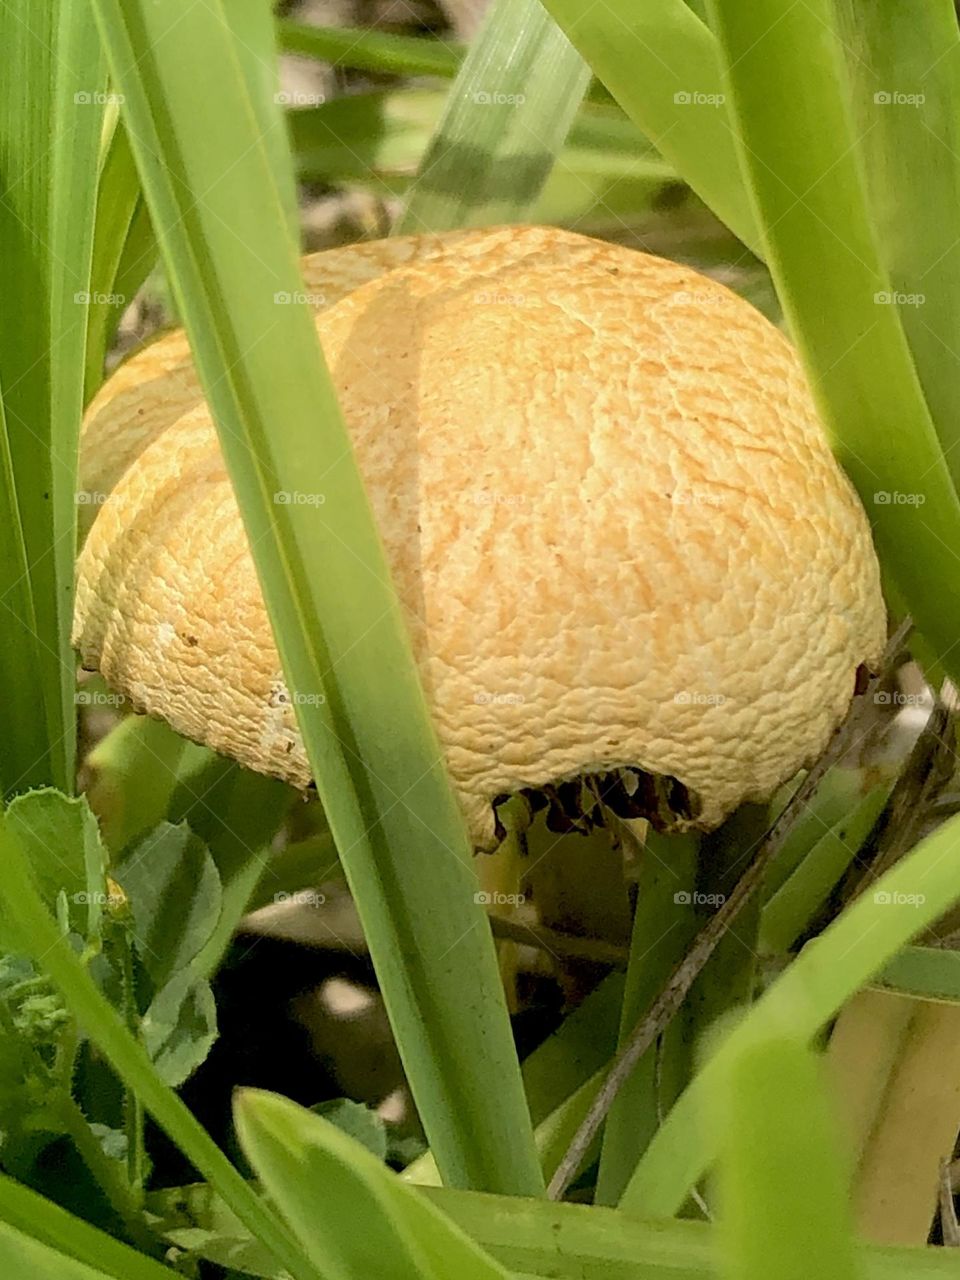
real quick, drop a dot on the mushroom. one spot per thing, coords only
(630, 565)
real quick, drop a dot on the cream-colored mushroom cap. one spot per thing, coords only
(617, 530)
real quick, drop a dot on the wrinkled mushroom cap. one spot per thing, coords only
(617, 530)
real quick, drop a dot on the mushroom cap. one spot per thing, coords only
(611, 513)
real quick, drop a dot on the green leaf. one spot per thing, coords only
(28, 1259)
(799, 152)
(124, 252)
(558, 1074)
(927, 973)
(366, 50)
(532, 1238)
(51, 106)
(904, 64)
(25, 737)
(662, 64)
(39, 937)
(910, 897)
(792, 908)
(26, 1212)
(357, 1122)
(841, 791)
(589, 1242)
(173, 888)
(507, 117)
(217, 197)
(135, 768)
(180, 1026)
(144, 772)
(62, 841)
(348, 1210)
(664, 924)
(775, 1119)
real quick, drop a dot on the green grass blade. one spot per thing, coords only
(25, 738)
(340, 632)
(799, 153)
(808, 994)
(556, 1070)
(366, 50)
(51, 107)
(663, 927)
(926, 973)
(793, 907)
(537, 1238)
(662, 64)
(40, 937)
(507, 117)
(776, 1121)
(27, 1212)
(349, 1210)
(588, 1242)
(27, 1259)
(116, 272)
(904, 64)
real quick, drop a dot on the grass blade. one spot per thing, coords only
(776, 1120)
(51, 103)
(588, 1242)
(929, 973)
(339, 629)
(25, 739)
(507, 116)
(825, 975)
(662, 64)
(116, 272)
(793, 907)
(905, 68)
(822, 249)
(663, 927)
(365, 50)
(27, 1212)
(349, 1210)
